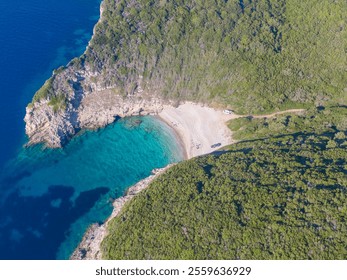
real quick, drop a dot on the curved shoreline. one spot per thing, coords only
(184, 130)
(178, 137)
(185, 121)
(199, 127)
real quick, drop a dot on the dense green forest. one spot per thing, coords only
(314, 120)
(280, 192)
(278, 197)
(252, 55)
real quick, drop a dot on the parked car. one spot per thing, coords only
(228, 112)
(216, 145)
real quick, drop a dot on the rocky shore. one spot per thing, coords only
(89, 248)
(94, 110)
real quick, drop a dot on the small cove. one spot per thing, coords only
(52, 196)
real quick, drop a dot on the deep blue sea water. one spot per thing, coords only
(49, 197)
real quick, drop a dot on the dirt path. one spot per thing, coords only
(234, 116)
(279, 113)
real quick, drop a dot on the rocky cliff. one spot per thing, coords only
(82, 109)
(84, 95)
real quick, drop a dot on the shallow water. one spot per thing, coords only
(52, 196)
(49, 197)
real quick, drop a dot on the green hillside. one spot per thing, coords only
(255, 56)
(280, 192)
(280, 197)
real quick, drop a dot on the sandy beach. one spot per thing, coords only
(198, 127)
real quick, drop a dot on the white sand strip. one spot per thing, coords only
(199, 127)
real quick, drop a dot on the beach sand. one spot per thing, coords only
(198, 127)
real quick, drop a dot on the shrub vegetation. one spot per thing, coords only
(279, 198)
(254, 56)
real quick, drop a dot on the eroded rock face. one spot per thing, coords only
(97, 109)
(43, 125)
(88, 105)
(101, 108)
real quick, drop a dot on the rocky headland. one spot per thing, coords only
(85, 94)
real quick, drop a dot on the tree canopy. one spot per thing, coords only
(255, 56)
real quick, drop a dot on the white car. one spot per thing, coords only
(228, 112)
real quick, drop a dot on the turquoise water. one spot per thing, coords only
(50, 197)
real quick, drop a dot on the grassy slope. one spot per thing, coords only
(280, 198)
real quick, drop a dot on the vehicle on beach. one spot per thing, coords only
(228, 112)
(216, 145)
